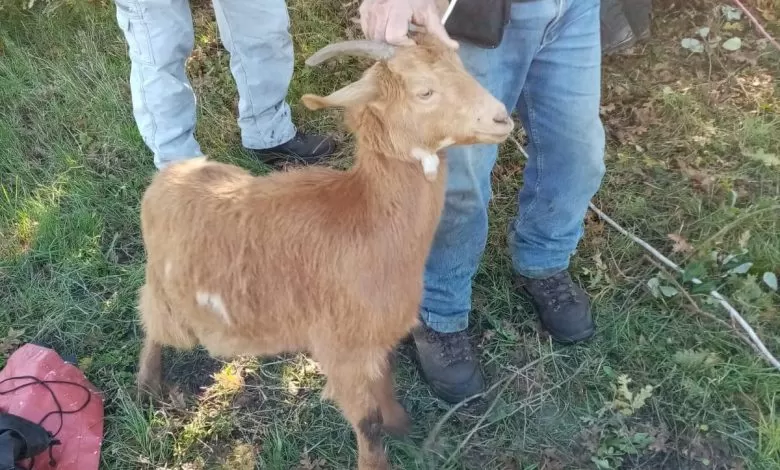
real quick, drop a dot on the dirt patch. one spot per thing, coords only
(190, 371)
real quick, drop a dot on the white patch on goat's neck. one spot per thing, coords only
(215, 303)
(445, 143)
(168, 269)
(429, 162)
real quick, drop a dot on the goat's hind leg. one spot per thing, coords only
(160, 329)
(150, 369)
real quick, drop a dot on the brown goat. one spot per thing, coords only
(315, 259)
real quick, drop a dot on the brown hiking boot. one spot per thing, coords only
(448, 364)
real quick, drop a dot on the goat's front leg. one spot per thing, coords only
(395, 419)
(351, 384)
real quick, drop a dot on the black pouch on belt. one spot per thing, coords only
(479, 22)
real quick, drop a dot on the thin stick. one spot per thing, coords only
(436, 429)
(714, 293)
(484, 416)
(448, 11)
(735, 315)
(757, 24)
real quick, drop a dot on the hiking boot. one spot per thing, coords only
(448, 364)
(303, 148)
(563, 307)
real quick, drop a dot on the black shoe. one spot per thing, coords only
(563, 307)
(303, 148)
(448, 364)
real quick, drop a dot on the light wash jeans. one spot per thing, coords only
(548, 66)
(160, 38)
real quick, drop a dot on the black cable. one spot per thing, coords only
(59, 411)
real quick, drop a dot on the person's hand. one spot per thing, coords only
(388, 20)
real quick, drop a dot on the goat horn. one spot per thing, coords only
(358, 47)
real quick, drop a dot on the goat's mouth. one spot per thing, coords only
(493, 137)
(496, 133)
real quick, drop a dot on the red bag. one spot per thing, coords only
(79, 425)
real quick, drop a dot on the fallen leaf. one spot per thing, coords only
(653, 283)
(703, 32)
(761, 155)
(770, 279)
(306, 463)
(732, 44)
(11, 341)
(741, 56)
(177, 399)
(692, 44)
(700, 178)
(744, 239)
(607, 108)
(741, 269)
(668, 291)
(644, 115)
(85, 363)
(551, 460)
(731, 13)
(681, 245)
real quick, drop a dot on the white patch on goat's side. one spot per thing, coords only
(429, 161)
(215, 303)
(168, 269)
(446, 143)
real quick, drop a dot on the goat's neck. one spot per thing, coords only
(414, 164)
(397, 176)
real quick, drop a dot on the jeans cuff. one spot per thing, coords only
(538, 273)
(162, 162)
(445, 323)
(279, 138)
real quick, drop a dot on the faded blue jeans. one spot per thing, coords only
(548, 66)
(160, 38)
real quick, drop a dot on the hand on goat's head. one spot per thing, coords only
(422, 96)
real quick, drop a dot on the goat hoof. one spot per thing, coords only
(148, 389)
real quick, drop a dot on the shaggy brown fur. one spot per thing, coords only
(315, 259)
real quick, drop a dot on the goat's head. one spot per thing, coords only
(422, 94)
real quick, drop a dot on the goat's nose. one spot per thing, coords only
(501, 118)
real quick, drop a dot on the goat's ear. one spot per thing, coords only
(361, 91)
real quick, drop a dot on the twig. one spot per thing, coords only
(735, 315)
(448, 11)
(479, 426)
(481, 419)
(757, 24)
(714, 293)
(435, 431)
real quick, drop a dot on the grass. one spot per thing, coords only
(662, 386)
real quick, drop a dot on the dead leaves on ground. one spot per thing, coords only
(11, 341)
(681, 245)
(307, 463)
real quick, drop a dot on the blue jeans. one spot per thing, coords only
(160, 38)
(548, 66)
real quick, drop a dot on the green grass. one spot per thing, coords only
(682, 129)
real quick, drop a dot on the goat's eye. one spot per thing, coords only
(425, 94)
